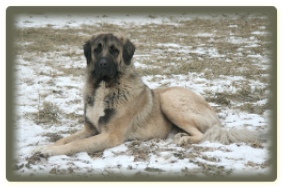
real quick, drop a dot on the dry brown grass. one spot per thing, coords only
(33, 43)
(47, 113)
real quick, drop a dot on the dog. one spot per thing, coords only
(119, 107)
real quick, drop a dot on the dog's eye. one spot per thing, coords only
(114, 51)
(98, 49)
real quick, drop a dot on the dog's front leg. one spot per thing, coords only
(87, 131)
(91, 144)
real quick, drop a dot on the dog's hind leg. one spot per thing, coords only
(192, 136)
(188, 111)
(189, 123)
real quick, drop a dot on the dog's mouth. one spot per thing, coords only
(109, 81)
(107, 71)
(106, 74)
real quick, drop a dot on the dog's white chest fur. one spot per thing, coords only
(95, 111)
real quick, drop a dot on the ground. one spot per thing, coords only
(224, 57)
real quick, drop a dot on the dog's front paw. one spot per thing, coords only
(46, 151)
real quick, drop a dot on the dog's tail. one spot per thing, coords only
(228, 136)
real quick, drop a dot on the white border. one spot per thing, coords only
(278, 184)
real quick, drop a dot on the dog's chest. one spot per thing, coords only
(96, 110)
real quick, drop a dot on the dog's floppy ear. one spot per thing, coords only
(128, 51)
(87, 51)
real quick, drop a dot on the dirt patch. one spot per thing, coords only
(53, 137)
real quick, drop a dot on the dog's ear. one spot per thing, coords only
(87, 51)
(128, 51)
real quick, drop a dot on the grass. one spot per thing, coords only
(53, 137)
(48, 113)
(46, 40)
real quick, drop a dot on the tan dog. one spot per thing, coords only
(119, 107)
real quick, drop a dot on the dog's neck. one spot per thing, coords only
(129, 79)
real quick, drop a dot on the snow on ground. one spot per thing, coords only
(44, 88)
(74, 20)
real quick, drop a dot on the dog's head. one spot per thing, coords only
(107, 55)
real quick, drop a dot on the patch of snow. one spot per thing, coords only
(241, 40)
(204, 35)
(233, 26)
(260, 33)
(169, 45)
(76, 20)
(144, 66)
(239, 120)
(210, 51)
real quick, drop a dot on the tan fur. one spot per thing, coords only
(141, 113)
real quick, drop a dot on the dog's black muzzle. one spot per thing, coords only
(106, 69)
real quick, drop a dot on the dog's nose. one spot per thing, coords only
(103, 63)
